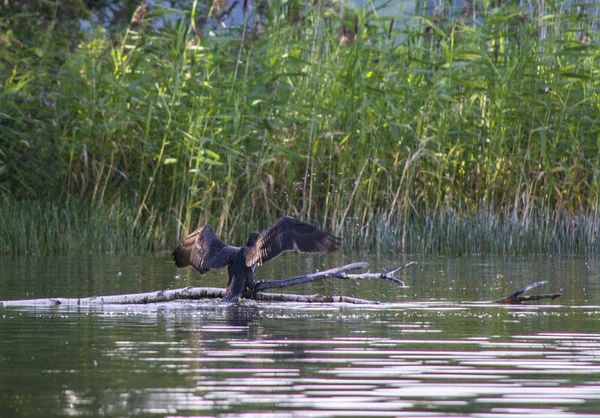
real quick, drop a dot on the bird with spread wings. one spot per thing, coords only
(204, 251)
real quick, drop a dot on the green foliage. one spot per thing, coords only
(421, 138)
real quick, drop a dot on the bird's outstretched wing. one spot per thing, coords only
(203, 250)
(289, 234)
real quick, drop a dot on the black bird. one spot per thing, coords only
(204, 251)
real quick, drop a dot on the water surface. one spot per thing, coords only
(426, 351)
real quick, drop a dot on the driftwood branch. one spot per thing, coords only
(338, 272)
(193, 293)
(388, 275)
(186, 293)
(518, 297)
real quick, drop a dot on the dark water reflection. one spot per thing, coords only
(427, 352)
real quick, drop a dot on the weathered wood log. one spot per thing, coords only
(187, 293)
(192, 293)
(517, 297)
(195, 293)
(133, 298)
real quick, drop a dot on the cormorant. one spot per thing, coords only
(204, 251)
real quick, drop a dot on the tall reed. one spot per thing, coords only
(470, 133)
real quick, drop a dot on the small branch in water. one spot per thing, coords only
(518, 297)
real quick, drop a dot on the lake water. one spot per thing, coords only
(426, 351)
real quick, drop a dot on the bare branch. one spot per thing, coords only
(320, 275)
(338, 272)
(388, 275)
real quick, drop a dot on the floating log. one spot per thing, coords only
(194, 293)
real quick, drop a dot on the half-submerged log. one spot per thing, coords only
(194, 293)
(518, 297)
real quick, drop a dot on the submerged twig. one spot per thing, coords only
(517, 297)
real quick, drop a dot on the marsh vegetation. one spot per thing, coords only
(472, 131)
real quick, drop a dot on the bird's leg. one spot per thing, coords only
(249, 291)
(240, 279)
(232, 291)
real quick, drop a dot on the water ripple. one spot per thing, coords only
(526, 374)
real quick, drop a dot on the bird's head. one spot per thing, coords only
(252, 239)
